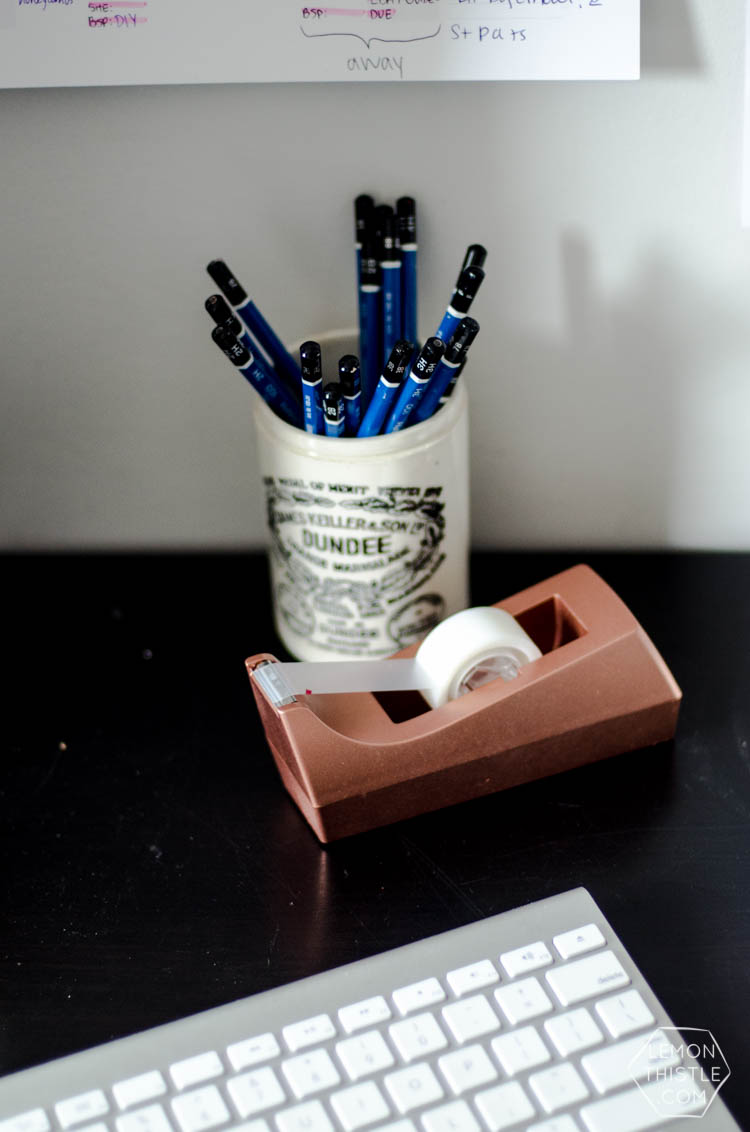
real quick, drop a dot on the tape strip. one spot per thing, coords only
(396, 675)
(462, 653)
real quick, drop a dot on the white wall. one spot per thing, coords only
(610, 386)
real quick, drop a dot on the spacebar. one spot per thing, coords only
(648, 1107)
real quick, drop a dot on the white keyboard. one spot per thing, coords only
(535, 1020)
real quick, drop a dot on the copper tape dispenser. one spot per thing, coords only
(557, 676)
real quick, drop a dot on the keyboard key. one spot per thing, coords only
(253, 1092)
(310, 1072)
(251, 1051)
(35, 1120)
(504, 1106)
(558, 1087)
(308, 1033)
(523, 1000)
(465, 980)
(251, 1126)
(642, 1108)
(136, 1090)
(573, 1031)
(364, 1054)
(454, 1117)
(466, 1069)
(359, 1106)
(524, 960)
(149, 1119)
(413, 1087)
(398, 1126)
(631, 1060)
(578, 941)
(416, 1037)
(195, 1070)
(624, 1013)
(557, 1124)
(470, 1018)
(587, 977)
(418, 995)
(523, 1049)
(77, 1110)
(200, 1109)
(366, 1013)
(307, 1117)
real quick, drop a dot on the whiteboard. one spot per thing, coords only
(105, 42)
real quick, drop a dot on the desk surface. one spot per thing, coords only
(154, 866)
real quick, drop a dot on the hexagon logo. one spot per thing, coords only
(679, 1071)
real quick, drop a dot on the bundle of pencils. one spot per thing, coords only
(397, 383)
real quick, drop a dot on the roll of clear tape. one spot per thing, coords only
(470, 649)
(462, 653)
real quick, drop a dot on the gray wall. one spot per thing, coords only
(610, 391)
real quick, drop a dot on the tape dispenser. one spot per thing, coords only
(557, 676)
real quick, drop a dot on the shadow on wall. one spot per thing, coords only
(668, 38)
(607, 435)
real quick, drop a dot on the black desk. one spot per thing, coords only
(154, 866)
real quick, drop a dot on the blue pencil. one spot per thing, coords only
(333, 409)
(452, 383)
(363, 207)
(407, 238)
(390, 267)
(274, 394)
(469, 282)
(369, 327)
(387, 388)
(351, 389)
(312, 383)
(221, 313)
(447, 371)
(475, 256)
(415, 385)
(283, 361)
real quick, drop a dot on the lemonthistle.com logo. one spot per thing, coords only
(679, 1071)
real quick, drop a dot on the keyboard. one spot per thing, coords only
(536, 1020)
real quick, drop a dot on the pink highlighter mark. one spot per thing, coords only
(344, 11)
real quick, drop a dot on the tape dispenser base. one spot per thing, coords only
(352, 762)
